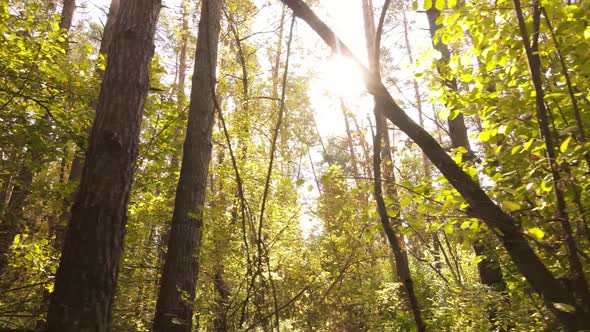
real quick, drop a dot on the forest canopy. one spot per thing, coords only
(268, 165)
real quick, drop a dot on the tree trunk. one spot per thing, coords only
(87, 274)
(174, 311)
(222, 301)
(67, 14)
(480, 205)
(395, 242)
(59, 229)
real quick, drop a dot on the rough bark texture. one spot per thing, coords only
(174, 309)
(87, 274)
(107, 37)
(481, 206)
(59, 229)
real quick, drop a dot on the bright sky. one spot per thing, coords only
(334, 77)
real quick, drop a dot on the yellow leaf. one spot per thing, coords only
(510, 206)
(563, 146)
(536, 232)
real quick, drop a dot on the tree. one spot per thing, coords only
(382, 149)
(174, 309)
(480, 205)
(87, 275)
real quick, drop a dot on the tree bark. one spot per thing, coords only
(59, 229)
(87, 274)
(174, 311)
(67, 14)
(481, 206)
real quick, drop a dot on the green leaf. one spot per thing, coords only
(427, 4)
(510, 206)
(299, 182)
(536, 232)
(439, 4)
(16, 241)
(458, 158)
(564, 307)
(452, 3)
(528, 144)
(484, 136)
(563, 146)
(546, 186)
(448, 228)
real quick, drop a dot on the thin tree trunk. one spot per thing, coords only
(180, 94)
(87, 274)
(401, 258)
(178, 131)
(174, 307)
(480, 205)
(350, 141)
(220, 323)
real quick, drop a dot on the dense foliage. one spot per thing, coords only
(291, 235)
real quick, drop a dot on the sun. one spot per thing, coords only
(340, 77)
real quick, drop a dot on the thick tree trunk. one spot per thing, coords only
(481, 206)
(174, 311)
(87, 274)
(59, 228)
